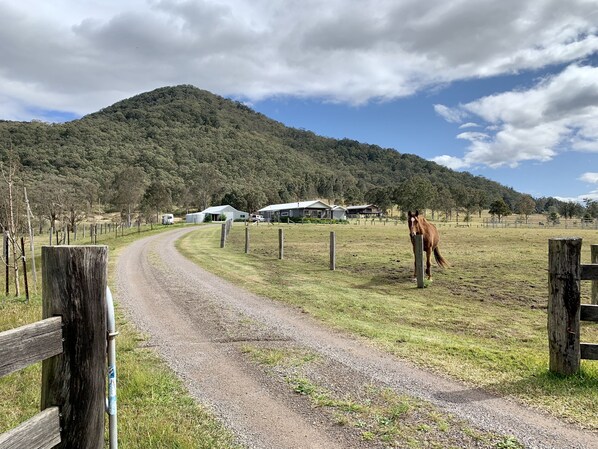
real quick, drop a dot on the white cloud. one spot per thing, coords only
(451, 162)
(451, 115)
(589, 177)
(473, 136)
(469, 125)
(80, 56)
(560, 112)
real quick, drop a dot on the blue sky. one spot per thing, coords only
(507, 90)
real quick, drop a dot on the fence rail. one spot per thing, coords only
(30, 344)
(40, 432)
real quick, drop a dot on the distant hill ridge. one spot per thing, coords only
(204, 148)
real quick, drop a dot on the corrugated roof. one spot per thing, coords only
(219, 209)
(296, 205)
(363, 206)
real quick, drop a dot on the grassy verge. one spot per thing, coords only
(377, 415)
(483, 320)
(154, 409)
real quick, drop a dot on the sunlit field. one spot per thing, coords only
(483, 320)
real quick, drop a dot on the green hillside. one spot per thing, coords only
(191, 148)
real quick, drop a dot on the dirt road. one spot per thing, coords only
(198, 322)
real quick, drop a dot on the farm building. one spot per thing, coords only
(339, 213)
(215, 212)
(311, 209)
(368, 210)
(196, 217)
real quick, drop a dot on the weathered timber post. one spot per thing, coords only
(332, 250)
(419, 260)
(74, 282)
(594, 259)
(564, 304)
(246, 240)
(222, 235)
(5, 254)
(24, 268)
(281, 243)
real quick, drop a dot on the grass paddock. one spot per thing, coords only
(483, 320)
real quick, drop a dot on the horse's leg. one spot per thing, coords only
(428, 264)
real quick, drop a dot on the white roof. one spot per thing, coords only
(363, 206)
(338, 208)
(296, 205)
(218, 209)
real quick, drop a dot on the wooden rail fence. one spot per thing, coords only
(70, 342)
(565, 310)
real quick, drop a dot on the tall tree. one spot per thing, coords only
(525, 206)
(381, 197)
(499, 209)
(127, 190)
(157, 198)
(416, 193)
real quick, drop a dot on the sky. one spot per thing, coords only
(504, 89)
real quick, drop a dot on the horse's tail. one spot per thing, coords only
(441, 261)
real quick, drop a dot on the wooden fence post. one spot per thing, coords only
(594, 259)
(222, 235)
(24, 268)
(281, 243)
(564, 304)
(246, 240)
(332, 250)
(74, 287)
(5, 254)
(419, 260)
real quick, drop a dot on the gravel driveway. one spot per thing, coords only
(197, 322)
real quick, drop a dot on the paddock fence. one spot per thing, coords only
(70, 341)
(565, 310)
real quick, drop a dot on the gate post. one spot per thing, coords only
(74, 287)
(594, 259)
(564, 304)
(281, 244)
(246, 239)
(222, 235)
(419, 260)
(332, 250)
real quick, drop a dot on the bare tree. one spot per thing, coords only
(10, 222)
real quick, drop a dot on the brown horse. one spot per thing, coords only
(419, 225)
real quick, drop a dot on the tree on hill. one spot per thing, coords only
(201, 146)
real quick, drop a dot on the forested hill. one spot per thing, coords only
(198, 148)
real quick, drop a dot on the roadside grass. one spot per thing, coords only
(377, 414)
(154, 409)
(483, 320)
